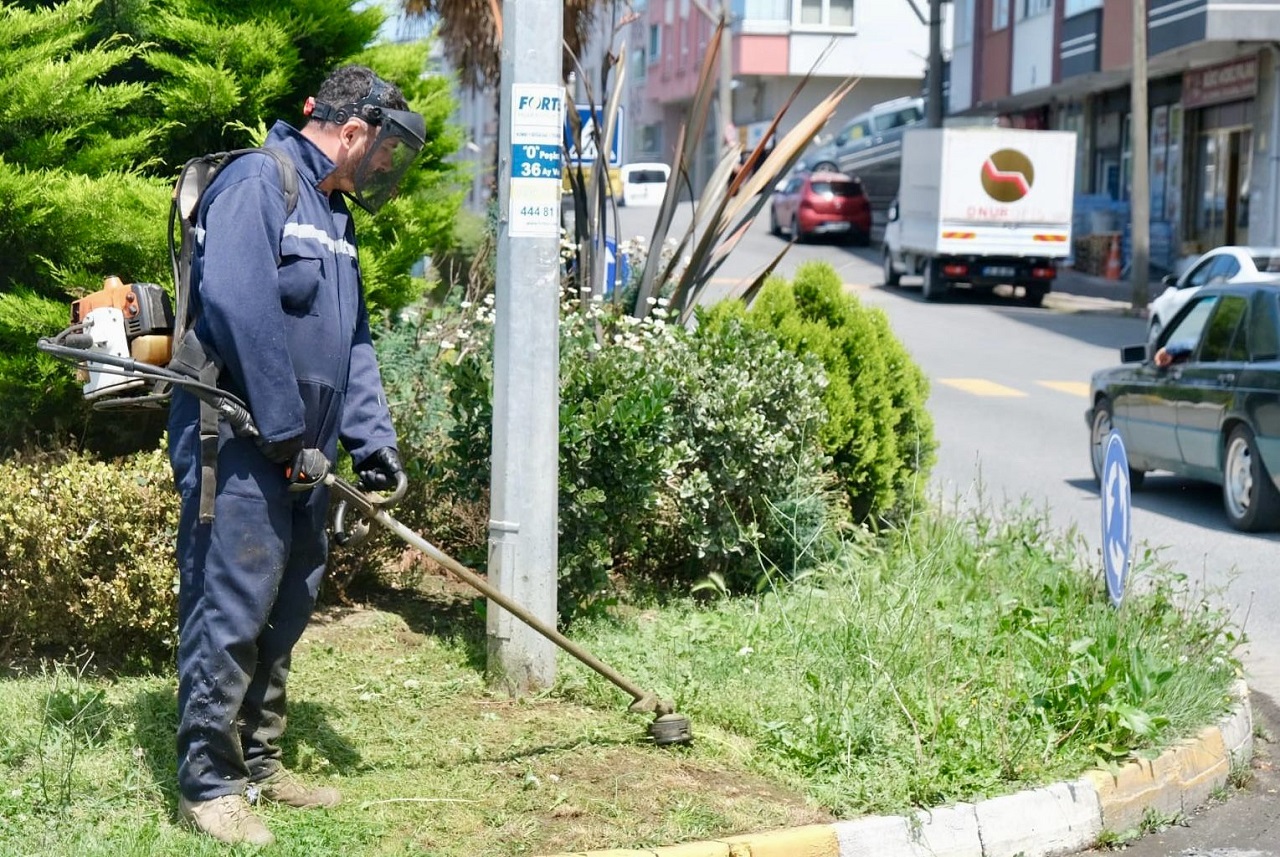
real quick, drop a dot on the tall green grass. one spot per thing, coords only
(955, 659)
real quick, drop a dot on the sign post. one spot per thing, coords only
(1117, 539)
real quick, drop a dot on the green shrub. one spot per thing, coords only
(877, 432)
(680, 453)
(86, 555)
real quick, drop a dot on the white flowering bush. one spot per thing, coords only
(678, 449)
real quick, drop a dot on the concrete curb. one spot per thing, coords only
(1059, 819)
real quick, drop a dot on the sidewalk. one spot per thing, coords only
(1077, 292)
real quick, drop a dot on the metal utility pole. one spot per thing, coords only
(524, 489)
(933, 113)
(1140, 199)
(725, 84)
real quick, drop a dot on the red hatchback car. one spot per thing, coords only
(810, 204)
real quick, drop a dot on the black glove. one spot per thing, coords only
(281, 451)
(307, 470)
(380, 470)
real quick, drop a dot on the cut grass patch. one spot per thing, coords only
(951, 660)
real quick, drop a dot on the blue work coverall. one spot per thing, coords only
(278, 297)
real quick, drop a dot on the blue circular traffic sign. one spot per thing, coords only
(1116, 512)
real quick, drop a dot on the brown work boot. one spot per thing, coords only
(227, 819)
(283, 787)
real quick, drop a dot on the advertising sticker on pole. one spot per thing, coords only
(1116, 514)
(537, 130)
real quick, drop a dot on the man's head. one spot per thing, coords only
(364, 125)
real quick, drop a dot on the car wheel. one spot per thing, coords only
(1248, 495)
(774, 228)
(1099, 432)
(796, 233)
(933, 288)
(891, 275)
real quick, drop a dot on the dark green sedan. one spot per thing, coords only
(1203, 401)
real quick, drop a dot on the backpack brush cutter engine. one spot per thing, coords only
(121, 339)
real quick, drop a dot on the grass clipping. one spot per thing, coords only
(950, 660)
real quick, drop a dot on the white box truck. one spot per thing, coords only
(982, 207)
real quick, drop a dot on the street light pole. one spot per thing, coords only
(524, 480)
(934, 106)
(725, 85)
(1140, 199)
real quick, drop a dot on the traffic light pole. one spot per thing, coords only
(524, 483)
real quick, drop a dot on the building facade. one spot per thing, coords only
(775, 43)
(1212, 94)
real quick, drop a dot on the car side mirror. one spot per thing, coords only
(892, 214)
(841, 140)
(1169, 279)
(1133, 354)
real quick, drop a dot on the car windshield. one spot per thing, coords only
(836, 188)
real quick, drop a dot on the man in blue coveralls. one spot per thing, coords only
(277, 303)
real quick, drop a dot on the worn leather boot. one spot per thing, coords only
(283, 787)
(227, 819)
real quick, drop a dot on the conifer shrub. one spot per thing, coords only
(877, 430)
(87, 556)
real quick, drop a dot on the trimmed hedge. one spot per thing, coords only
(87, 556)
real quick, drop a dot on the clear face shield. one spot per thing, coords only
(399, 139)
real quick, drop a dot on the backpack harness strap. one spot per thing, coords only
(191, 356)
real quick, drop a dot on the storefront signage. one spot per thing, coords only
(1231, 81)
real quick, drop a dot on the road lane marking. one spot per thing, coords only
(1073, 388)
(982, 387)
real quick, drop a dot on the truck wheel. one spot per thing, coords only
(934, 288)
(891, 275)
(1034, 295)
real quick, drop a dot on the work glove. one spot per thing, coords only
(307, 470)
(381, 470)
(281, 451)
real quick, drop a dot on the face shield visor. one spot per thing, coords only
(399, 138)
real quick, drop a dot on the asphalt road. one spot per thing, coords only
(1009, 391)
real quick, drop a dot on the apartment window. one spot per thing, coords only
(1075, 7)
(999, 14)
(684, 8)
(764, 10)
(963, 10)
(655, 43)
(641, 61)
(669, 12)
(825, 13)
(1030, 8)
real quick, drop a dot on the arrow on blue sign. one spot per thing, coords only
(1116, 517)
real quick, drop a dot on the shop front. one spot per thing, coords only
(1219, 107)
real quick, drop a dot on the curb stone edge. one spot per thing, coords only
(1058, 819)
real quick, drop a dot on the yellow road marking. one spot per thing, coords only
(982, 387)
(1073, 388)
